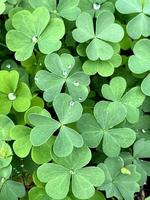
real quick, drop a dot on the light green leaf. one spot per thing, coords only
(6, 124)
(145, 85)
(66, 140)
(134, 6)
(109, 115)
(66, 109)
(22, 144)
(56, 177)
(5, 154)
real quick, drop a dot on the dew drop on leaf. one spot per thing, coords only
(11, 96)
(80, 99)
(76, 83)
(34, 39)
(8, 66)
(69, 67)
(65, 73)
(143, 131)
(124, 170)
(72, 172)
(72, 103)
(96, 6)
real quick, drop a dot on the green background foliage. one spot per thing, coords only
(74, 99)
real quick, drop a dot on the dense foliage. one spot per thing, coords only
(74, 99)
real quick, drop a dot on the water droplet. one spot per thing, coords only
(8, 66)
(96, 6)
(65, 73)
(143, 131)
(69, 67)
(40, 64)
(72, 103)
(76, 83)
(22, 166)
(80, 99)
(11, 96)
(35, 78)
(72, 172)
(34, 39)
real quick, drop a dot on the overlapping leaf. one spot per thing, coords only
(59, 175)
(132, 99)
(60, 73)
(106, 31)
(31, 28)
(102, 126)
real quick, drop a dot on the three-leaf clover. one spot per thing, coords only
(31, 28)
(13, 93)
(141, 22)
(106, 31)
(68, 112)
(6, 124)
(60, 72)
(132, 99)
(139, 62)
(71, 170)
(65, 8)
(121, 181)
(94, 7)
(103, 126)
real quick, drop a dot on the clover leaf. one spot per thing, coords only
(84, 179)
(67, 112)
(141, 151)
(102, 126)
(132, 99)
(103, 68)
(121, 181)
(2, 6)
(106, 31)
(6, 124)
(22, 145)
(13, 93)
(94, 7)
(65, 8)
(5, 154)
(12, 190)
(142, 11)
(139, 62)
(60, 73)
(37, 193)
(31, 28)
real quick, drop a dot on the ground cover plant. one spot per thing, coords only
(74, 99)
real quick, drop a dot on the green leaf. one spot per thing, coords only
(137, 22)
(5, 154)
(141, 148)
(66, 109)
(22, 144)
(66, 140)
(90, 129)
(84, 180)
(117, 138)
(37, 193)
(134, 6)
(145, 85)
(43, 130)
(49, 4)
(109, 115)
(6, 124)
(99, 49)
(84, 31)
(2, 6)
(57, 177)
(79, 158)
(118, 184)
(68, 9)
(103, 68)
(12, 190)
(42, 153)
